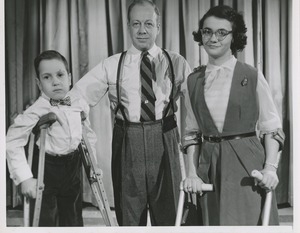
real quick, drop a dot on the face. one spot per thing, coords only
(215, 48)
(54, 79)
(143, 27)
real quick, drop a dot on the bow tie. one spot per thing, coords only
(65, 101)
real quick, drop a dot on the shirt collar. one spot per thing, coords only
(46, 97)
(153, 51)
(229, 64)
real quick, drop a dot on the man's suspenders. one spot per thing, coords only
(170, 109)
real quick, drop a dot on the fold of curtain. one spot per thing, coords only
(21, 41)
(294, 94)
(100, 115)
(87, 31)
(275, 70)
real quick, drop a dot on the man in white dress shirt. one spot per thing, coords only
(145, 161)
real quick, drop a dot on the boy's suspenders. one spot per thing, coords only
(170, 109)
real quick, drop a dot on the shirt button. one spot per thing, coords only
(146, 101)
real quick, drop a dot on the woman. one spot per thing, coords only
(230, 100)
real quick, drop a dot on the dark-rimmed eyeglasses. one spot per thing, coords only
(220, 33)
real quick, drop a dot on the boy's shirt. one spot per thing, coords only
(60, 139)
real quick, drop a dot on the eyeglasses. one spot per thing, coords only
(220, 33)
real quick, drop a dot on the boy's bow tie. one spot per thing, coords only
(65, 101)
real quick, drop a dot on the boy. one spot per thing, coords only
(62, 200)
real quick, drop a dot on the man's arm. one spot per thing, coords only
(94, 85)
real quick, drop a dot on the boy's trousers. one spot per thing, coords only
(62, 198)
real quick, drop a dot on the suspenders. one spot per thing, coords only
(170, 109)
(119, 72)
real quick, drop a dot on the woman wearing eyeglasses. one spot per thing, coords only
(232, 104)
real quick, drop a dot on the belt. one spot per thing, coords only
(167, 123)
(62, 157)
(217, 139)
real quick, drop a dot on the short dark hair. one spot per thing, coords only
(49, 55)
(238, 26)
(143, 2)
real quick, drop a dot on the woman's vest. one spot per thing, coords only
(242, 111)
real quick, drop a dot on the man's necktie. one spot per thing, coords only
(147, 94)
(65, 101)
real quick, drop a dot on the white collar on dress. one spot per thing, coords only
(229, 64)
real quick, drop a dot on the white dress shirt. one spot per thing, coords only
(217, 86)
(60, 139)
(102, 79)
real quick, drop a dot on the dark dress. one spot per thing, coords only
(228, 164)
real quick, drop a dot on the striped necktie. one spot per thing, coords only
(147, 94)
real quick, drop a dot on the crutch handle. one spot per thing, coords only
(257, 175)
(45, 121)
(204, 187)
(268, 202)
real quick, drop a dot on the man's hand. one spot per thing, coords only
(28, 188)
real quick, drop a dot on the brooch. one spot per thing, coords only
(244, 82)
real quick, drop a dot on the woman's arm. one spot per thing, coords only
(192, 183)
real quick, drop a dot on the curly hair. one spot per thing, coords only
(238, 26)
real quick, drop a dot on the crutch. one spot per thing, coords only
(267, 206)
(205, 187)
(41, 127)
(94, 175)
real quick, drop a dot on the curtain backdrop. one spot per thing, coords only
(87, 31)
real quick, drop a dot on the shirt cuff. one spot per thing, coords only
(21, 175)
(277, 134)
(192, 138)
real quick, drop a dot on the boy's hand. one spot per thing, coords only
(28, 188)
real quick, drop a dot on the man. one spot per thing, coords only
(142, 91)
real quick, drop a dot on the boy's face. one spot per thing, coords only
(54, 79)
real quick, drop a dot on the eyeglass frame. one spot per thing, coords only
(214, 33)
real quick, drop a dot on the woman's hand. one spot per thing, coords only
(193, 184)
(270, 179)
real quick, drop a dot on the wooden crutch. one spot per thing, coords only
(205, 187)
(94, 175)
(267, 206)
(41, 127)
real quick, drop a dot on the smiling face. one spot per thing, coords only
(143, 26)
(218, 50)
(54, 79)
